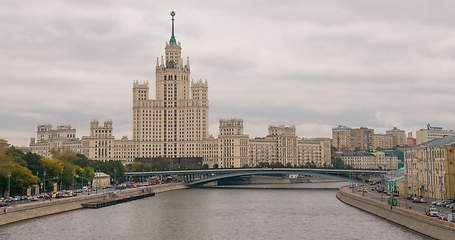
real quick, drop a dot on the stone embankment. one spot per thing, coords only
(43, 208)
(429, 226)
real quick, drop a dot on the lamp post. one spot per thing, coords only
(61, 180)
(9, 184)
(44, 182)
(74, 172)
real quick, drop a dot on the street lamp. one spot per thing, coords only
(61, 180)
(44, 186)
(9, 184)
(74, 172)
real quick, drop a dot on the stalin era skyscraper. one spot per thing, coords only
(175, 123)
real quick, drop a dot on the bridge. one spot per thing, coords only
(194, 178)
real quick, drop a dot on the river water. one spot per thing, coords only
(217, 214)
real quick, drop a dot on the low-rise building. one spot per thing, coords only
(368, 160)
(430, 168)
(101, 180)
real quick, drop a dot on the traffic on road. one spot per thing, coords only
(443, 209)
(86, 190)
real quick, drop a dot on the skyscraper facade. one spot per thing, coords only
(175, 123)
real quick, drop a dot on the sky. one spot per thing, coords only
(312, 64)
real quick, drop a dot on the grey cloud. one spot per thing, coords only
(312, 64)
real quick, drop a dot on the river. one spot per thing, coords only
(217, 214)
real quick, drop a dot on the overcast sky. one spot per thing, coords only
(313, 64)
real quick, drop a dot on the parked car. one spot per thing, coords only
(442, 216)
(3, 204)
(419, 200)
(393, 194)
(447, 202)
(432, 212)
(33, 199)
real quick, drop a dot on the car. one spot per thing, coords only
(442, 216)
(3, 204)
(394, 194)
(443, 203)
(432, 212)
(435, 203)
(33, 199)
(419, 200)
(447, 203)
(451, 206)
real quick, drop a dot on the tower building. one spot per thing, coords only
(175, 123)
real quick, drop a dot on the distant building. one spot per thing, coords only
(430, 133)
(351, 139)
(341, 138)
(233, 144)
(399, 136)
(362, 138)
(315, 151)
(61, 138)
(383, 141)
(101, 144)
(367, 160)
(101, 180)
(282, 145)
(430, 168)
(410, 140)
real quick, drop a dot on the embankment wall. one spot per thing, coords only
(431, 227)
(43, 208)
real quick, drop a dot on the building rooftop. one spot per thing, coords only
(447, 140)
(341, 127)
(101, 174)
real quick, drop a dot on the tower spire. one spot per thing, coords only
(172, 41)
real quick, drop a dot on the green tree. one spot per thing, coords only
(81, 160)
(34, 162)
(139, 167)
(21, 179)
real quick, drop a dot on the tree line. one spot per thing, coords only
(65, 168)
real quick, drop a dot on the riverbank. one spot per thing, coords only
(38, 209)
(415, 221)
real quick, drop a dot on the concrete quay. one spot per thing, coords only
(429, 226)
(38, 209)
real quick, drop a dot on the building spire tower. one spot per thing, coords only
(172, 41)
